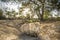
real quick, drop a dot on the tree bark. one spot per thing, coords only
(42, 18)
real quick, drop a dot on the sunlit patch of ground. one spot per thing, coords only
(8, 33)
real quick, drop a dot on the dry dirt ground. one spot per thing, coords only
(17, 30)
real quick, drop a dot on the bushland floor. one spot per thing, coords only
(13, 30)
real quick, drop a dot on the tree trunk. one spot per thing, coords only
(42, 18)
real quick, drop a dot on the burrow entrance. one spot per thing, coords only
(29, 36)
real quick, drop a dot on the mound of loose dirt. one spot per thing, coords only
(46, 31)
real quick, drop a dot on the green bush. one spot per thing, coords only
(58, 18)
(46, 14)
(1, 12)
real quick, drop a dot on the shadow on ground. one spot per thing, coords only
(24, 36)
